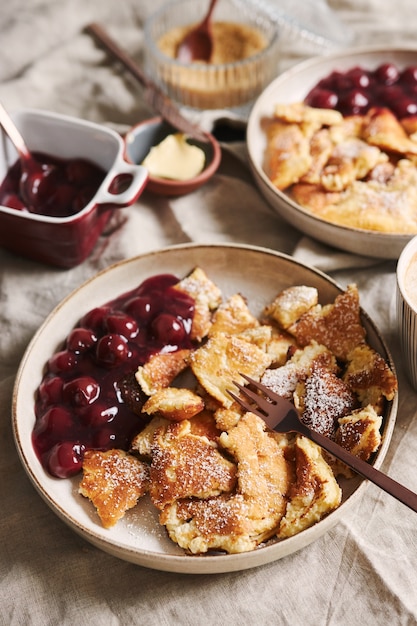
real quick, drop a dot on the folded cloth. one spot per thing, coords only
(328, 259)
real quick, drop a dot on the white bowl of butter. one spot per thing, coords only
(177, 164)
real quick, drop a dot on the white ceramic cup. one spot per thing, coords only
(407, 308)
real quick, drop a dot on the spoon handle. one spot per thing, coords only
(398, 491)
(101, 35)
(13, 133)
(154, 96)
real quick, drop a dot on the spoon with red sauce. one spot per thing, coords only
(34, 174)
(197, 45)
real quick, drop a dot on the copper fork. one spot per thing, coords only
(281, 415)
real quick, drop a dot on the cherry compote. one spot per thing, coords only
(56, 187)
(357, 90)
(89, 398)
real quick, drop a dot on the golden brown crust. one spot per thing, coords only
(337, 326)
(233, 317)
(315, 492)
(241, 520)
(161, 370)
(207, 297)
(360, 172)
(221, 361)
(291, 303)
(174, 403)
(187, 465)
(113, 481)
(369, 376)
(359, 432)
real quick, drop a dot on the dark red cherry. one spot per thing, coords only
(405, 107)
(140, 308)
(81, 391)
(65, 459)
(353, 103)
(122, 324)
(55, 424)
(62, 362)
(322, 99)
(81, 339)
(50, 390)
(387, 73)
(409, 76)
(112, 350)
(99, 414)
(359, 78)
(168, 329)
(95, 319)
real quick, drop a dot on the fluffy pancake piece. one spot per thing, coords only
(359, 432)
(284, 380)
(185, 464)
(337, 326)
(221, 361)
(207, 297)
(233, 317)
(369, 375)
(114, 481)
(322, 399)
(160, 370)
(239, 521)
(315, 492)
(291, 303)
(174, 403)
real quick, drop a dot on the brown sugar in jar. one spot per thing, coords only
(231, 42)
(235, 74)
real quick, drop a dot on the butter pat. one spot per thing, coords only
(175, 158)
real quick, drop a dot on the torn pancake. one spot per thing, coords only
(315, 492)
(222, 360)
(187, 465)
(242, 520)
(114, 481)
(161, 370)
(207, 297)
(337, 326)
(322, 399)
(233, 317)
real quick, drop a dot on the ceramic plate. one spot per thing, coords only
(257, 273)
(293, 86)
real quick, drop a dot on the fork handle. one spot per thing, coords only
(401, 493)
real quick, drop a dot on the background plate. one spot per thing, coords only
(257, 273)
(293, 86)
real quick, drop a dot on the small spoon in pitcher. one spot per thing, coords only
(33, 173)
(198, 44)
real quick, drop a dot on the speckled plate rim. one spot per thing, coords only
(254, 271)
(292, 86)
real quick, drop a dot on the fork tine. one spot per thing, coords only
(265, 390)
(245, 406)
(260, 401)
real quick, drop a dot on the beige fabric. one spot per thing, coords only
(363, 571)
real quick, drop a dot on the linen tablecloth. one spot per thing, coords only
(361, 572)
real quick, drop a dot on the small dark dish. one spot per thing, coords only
(142, 137)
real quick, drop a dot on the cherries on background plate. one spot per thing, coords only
(89, 398)
(358, 89)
